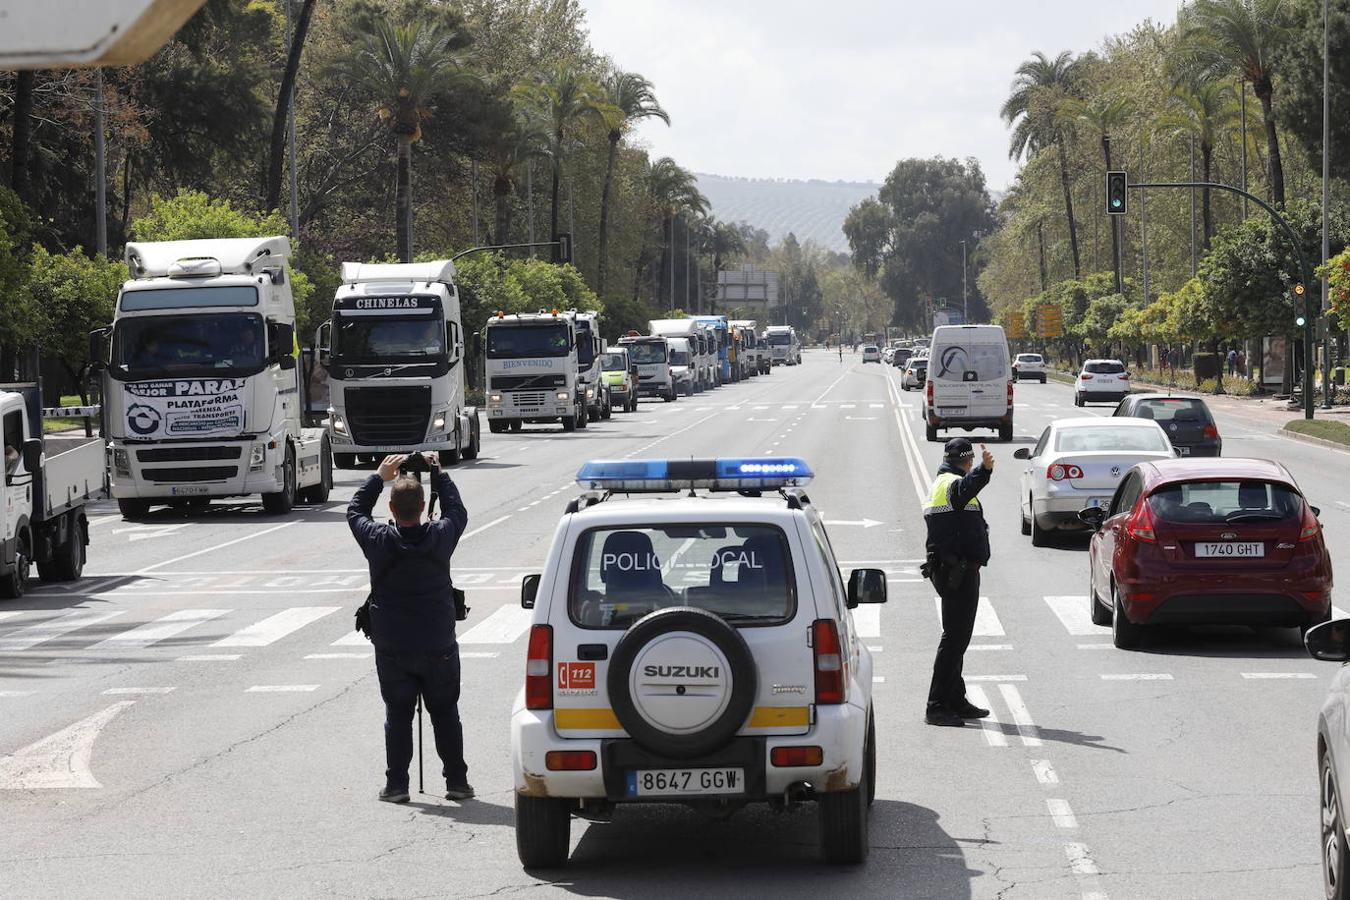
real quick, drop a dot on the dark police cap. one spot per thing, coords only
(958, 448)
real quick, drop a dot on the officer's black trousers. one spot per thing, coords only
(958, 621)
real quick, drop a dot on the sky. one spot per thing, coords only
(842, 90)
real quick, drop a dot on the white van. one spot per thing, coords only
(784, 348)
(969, 380)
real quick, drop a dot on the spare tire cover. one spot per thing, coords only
(682, 681)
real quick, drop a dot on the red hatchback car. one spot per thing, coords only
(1207, 542)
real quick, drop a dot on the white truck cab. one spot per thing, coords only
(700, 346)
(651, 355)
(394, 354)
(531, 371)
(970, 383)
(784, 348)
(753, 347)
(692, 644)
(682, 366)
(590, 346)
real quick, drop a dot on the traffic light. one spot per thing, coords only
(1301, 320)
(1116, 183)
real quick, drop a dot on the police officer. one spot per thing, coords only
(958, 544)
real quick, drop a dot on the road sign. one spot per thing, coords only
(64, 34)
(1016, 325)
(1049, 320)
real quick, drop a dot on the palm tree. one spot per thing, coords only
(404, 66)
(1041, 86)
(564, 100)
(723, 240)
(285, 96)
(670, 189)
(509, 150)
(631, 97)
(1205, 110)
(1243, 37)
(1104, 113)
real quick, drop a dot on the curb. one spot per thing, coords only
(1309, 439)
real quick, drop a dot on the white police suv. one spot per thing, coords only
(692, 643)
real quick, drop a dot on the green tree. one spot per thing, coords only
(1104, 113)
(721, 241)
(70, 295)
(631, 99)
(404, 63)
(670, 189)
(509, 150)
(1243, 37)
(1204, 110)
(1033, 111)
(1300, 68)
(15, 248)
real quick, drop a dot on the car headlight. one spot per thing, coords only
(563, 396)
(257, 456)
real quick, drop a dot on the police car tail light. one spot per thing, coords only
(1140, 525)
(570, 760)
(763, 473)
(789, 757)
(831, 673)
(1059, 472)
(539, 669)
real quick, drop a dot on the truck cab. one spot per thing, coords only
(682, 365)
(699, 346)
(531, 371)
(202, 390)
(394, 354)
(590, 346)
(722, 351)
(651, 355)
(783, 345)
(754, 353)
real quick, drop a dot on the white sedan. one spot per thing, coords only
(1078, 463)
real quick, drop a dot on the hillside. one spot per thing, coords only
(812, 210)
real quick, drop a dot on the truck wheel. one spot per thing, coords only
(15, 583)
(450, 457)
(475, 441)
(930, 432)
(69, 562)
(496, 427)
(543, 831)
(516, 426)
(583, 417)
(344, 460)
(569, 423)
(133, 508)
(318, 493)
(607, 410)
(281, 502)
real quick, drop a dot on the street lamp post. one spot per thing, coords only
(1326, 205)
(965, 302)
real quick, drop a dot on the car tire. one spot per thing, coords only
(1078, 400)
(930, 432)
(1126, 635)
(543, 831)
(1005, 433)
(133, 508)
(1040, 537)
(1042, 379)
(15, 584)
(569, 423)
(843, 824)
(870, 758)
(1026, 523)
(281, 502)
(1335, 854)
(1098, 611)
(740, 663)
(344, 460)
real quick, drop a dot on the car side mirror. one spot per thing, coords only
(1316, 511)
(1022, 453)
(1330, 641)
(866, 586)
(1093, 517)
(529, 590)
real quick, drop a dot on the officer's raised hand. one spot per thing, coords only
(986, 458)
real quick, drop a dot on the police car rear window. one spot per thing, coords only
(742, 573)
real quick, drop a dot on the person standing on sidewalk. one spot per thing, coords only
(958, 545)
(412, 617)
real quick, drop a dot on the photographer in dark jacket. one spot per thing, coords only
(958, 545)
(412, 617)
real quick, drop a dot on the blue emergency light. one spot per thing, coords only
(764, 473)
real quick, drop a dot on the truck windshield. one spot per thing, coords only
(646, 354)
(679, 358)
(519, 341)
(614, 362)
(224, 343)
(779, 338)
(377, 339)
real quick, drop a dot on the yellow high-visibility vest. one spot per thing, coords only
(940, 497)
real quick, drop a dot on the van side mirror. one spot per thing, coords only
(32, 455)
(1093, 517)
(1330, 641)
(866, 586)
(529, 590)
(1022, 453)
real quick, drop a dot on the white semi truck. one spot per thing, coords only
(394, 354)
(700, 345)
(589, 348)
(531, 371)
(754, 348)
(45, 491)
(203, 396)
(651, 355)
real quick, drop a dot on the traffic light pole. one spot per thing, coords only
(1305, 276)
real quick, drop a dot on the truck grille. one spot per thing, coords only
(191, 473)
(188, 454)
(389, 415)
(530, 398)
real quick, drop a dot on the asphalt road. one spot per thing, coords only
(194, 718)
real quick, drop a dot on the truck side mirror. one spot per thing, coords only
(282, 339)
(476, 343)
(98, 347)
(32, 455)
(322, 335)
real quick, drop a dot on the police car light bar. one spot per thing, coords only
(764, 473)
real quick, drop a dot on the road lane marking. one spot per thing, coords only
(830, 388)
(1074, 615)
(504, 626)
(17, 693)
(366, 655)
(11, 613)
(987, 623)
(210, 657)
(60, 760)
(478, 654)
(1339, 613)
(1021, 716)
(164, 627)
(239, 540)
(1261, 676)
(352, 638)
(990, 647)
(1061, 813)
(1138, 676)
(1096, 646)
(1080, 860)
(276, 627)
(913, 461)
(281, 688)
(867, 620)
(1045, 773)
(878, 679)
(481, 528)
(138, 690)
(990, 725)
(32, 635)
(994, 678)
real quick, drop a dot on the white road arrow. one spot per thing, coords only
(60, 760)
(865, 523)
(141, 532)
